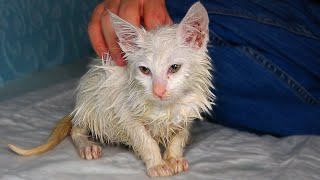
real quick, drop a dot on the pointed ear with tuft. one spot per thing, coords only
(193, 29)
(129, 36)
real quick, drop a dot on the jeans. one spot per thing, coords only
(266, 58)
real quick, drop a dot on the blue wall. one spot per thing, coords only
(36, 35)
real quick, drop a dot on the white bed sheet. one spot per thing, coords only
(216, 152)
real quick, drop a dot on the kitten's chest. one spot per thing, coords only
(162, 122)
(169, 114)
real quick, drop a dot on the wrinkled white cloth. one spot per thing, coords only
(215, 152)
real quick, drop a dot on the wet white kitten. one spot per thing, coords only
(153, 100)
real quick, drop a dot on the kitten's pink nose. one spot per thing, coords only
(159, 89)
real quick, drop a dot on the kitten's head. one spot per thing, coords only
(170, 61)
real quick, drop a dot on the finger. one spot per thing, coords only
(110, 35)
(130, 11)
(155, 14)
(168, 19)
(95, 32)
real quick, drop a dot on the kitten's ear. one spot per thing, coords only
(128, 35)
(193, 29)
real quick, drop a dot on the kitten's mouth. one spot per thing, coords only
(162, 99)
(166, 97)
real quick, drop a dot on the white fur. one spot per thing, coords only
(117, 104)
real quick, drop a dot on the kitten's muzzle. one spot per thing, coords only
(159, 88)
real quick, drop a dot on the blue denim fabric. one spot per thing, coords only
(267, 63)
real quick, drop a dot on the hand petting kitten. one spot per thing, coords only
(147, 13)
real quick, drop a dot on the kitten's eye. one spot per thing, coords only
(145, 70)
(174, 68)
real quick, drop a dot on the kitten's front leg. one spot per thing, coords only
(174, 152)
(87, 149)
(148, 149)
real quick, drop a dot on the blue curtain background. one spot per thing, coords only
(36, 35)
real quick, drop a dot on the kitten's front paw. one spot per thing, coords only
(160, 170)
(178, 165)
(89, 152)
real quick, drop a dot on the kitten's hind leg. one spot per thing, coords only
(87, 149)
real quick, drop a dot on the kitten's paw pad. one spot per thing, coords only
(178, 165)
(160, 170)
(91, 152)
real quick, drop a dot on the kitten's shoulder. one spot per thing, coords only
(100, 72)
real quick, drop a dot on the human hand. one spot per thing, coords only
(147, 13)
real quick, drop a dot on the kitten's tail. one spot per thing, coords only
(62, 129)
